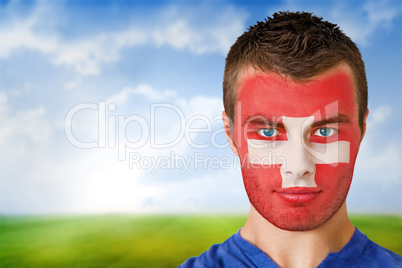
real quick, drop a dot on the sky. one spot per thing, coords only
(115, 106)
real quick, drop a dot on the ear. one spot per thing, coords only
(226, 124)
(364, 125)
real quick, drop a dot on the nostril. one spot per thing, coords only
(299, 171)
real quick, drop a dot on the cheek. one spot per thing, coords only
(262, 177)
(240, 141)
(334, 180)
(260, 182)
(335, 183)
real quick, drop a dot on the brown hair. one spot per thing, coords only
(298, 45)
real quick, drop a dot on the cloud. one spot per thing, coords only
(376, 16)
(88, 54)
(21, 36)
(359, 21)
(60, 178)
(179, 36)
(380, 114)
(22, 127)
(219, 191)
(379, 159)
(101, 183)
(142, 90)
(168, 117)
(85, 56)
(215, 38)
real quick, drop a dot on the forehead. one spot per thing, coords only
(272, 94)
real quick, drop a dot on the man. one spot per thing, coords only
(295, 97)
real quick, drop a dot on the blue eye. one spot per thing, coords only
(268, 132)
(325, 132)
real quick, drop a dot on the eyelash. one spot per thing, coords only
(333, 131)
(275, 132)
(316, 132)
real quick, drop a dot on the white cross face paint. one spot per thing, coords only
(297, 156)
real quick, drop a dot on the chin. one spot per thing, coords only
(297, 226)
(300, 218)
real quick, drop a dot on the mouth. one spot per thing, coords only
(298, 194)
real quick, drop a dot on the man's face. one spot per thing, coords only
(297, 143)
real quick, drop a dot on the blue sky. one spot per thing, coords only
(114, 106)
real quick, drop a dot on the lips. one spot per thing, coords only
(298, 194)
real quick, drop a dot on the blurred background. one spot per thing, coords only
(114, 107)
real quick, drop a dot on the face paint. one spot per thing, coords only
(318, 153)
(297, 143)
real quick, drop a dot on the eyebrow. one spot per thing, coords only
(339, 119)
(262, 121)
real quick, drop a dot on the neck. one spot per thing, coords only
(298, 249)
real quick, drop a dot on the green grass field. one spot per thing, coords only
(138, 241)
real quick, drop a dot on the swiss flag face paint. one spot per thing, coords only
(297, 143)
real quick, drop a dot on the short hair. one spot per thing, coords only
(298, 45)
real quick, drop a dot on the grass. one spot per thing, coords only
(138, 241)
(383, 230)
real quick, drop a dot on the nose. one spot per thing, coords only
(299, 168)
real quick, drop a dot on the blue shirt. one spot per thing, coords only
(237, 252)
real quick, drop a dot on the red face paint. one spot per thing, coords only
(268, 108)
